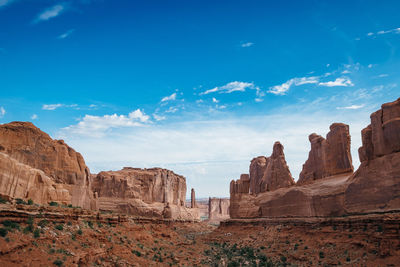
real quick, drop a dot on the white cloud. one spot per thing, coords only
(370, 66)
(352, 107)
(169, 98)
(345, 72)
(50, 13)
(210, 152)
(97, 126)
(5, 2)
(158, 117)
(248, 44)
(283, 88)
(214, 100)
(34, 117)
(2, 112)
(382, 32)
(383, 75)
(228, 88)
(344, 81)
(66, 34)
(52, 106)
(258, 99)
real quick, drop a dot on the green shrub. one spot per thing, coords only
(30, 221)
(20, 201)
(3, 231)
(59, 227)
(43, 223)
(58, 262)
(137, 253)
(379, 229)
(283, 259)
(30, 202)
(36, 233)
(53, 204)
(321, 255)
(11, 224)
(79, 232)
(28, 229)
(348, 259)
(90, 224)
(3, 200)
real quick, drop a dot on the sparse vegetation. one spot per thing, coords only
(53, 204)
(36, 233)
(59, 227)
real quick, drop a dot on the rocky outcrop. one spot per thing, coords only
(277, 174)
(240, 186)
(218, 209)
(373, 188)
(330, 156)
(257, 169)
(66, 168)
(193, 199)
(144, 192)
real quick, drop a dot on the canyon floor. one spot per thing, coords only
(54, 236)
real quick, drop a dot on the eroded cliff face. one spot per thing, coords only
(270, 173)
(374, 187)
(144, 192)
(65, 167)
(218, 209)
(328, 157)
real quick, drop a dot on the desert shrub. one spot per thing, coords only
(321, 255)
(58, 262)
(30, 202)
(296, 246)
(28, 229)
(59, 227)
(36, 233)
(43, 223)
(3, 200)
(137, 253)
(53, 204)
(79, 232)
(3, 232)
(30, 220)
(379, 228)
(348, 259)
(11, 224)
(283, 259)
(20, 201)
(90, 224)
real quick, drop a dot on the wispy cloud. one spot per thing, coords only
(50, 13)
(382, 32)
(34, 117)
(97, 126)
(281, 89)
(66, 34)
(169, 98)
(228, 88)
(343, 81)
(248, 44)
(2, 112)
(159, 117)
(56, 106)
(352, 107)
(214, 100)
(51, 106)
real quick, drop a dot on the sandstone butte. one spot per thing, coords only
(327, 186)
(34, 166)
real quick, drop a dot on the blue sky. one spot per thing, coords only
(200, 87)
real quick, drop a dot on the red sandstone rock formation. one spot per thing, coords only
(66, 168)
(330, 156)
(193, 199)
(240, 186)
(143, 192)
(268, 174)
(218, 209)
(374, 187)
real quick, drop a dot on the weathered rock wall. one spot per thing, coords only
(374, 187)
(218, 209)
(328, 157)
(144, 192)
(30, 146)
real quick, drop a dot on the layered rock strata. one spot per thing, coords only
(373, 188)
(218, 209)
(327, 157)
(144, 192)
(31, 147)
